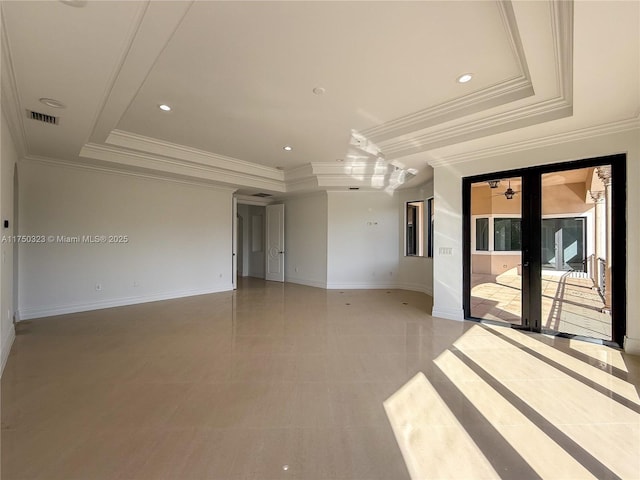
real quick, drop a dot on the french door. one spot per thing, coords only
(545, 248)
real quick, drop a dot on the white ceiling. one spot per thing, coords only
(240, 78)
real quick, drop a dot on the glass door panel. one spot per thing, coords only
(575, 232)
(496, 250)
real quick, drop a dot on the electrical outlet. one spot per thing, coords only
(136, 283)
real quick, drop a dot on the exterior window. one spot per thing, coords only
(414, 229)
(430, 216)
(506, 234)
(482, 234)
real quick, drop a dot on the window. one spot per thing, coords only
(482, 234)
(506, 234)
(430, 216)
(414, 229)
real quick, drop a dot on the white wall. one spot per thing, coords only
(306, 240)
(363, 237)
(448, 292)
(8, 160)
(179, 239)
(414, 273)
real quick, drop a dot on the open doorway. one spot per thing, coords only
(251, 241)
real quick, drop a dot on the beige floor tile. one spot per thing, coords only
(180, 454)
(241, 385)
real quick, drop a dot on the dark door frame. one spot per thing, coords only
(532, 237)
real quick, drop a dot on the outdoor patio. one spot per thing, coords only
(570, 304)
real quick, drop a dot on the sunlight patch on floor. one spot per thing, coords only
(498, 389)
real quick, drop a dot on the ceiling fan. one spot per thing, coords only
(509, 193)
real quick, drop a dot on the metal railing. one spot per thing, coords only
(597, 269)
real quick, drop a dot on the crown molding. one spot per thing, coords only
(302, 185)
(510, 120)
(511, 25)
(152, 30)
(114, 170)
(251, 200)
(298, 173)
(502, 93)
(9, 93)
(155, 146)
(562, 23)
(557, 106)
(301, 179)
(550, 140)
(127, 159)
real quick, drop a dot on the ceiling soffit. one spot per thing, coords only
(507, 105)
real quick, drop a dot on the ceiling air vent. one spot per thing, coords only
(262, 195)
(43, 117)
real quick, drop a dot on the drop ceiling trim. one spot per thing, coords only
(153, 29)
(160, 147)
(251, 200)
(10, 94)
(511, 25)
(562, 21)
(297, 174)
(504, 92)
(550, 108)
(506, 121)
(611, 128)
(116, 170)
(302, 185)
(168, 165)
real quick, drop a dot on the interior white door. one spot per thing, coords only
(275, 243)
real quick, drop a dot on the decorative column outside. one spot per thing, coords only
(604, 173)
(600, 239)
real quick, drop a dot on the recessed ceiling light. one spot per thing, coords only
(465, 78)
(164, 107)
(319, 91)
(288, 148)
(52, 102)
(339, 159)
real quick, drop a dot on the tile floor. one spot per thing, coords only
(569, 303)
(290, 382)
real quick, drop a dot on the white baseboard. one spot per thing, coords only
(632, 345)
(49, 311)
(6, 347)
(305, 281)
(448, 313)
